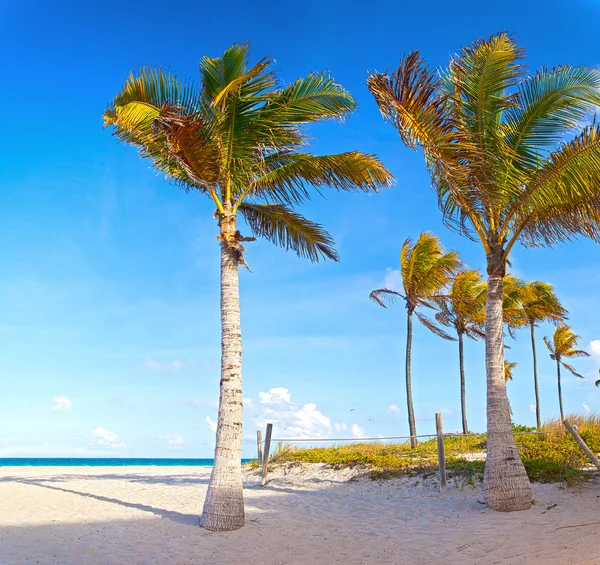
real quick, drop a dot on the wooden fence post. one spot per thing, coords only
(259, 445)
(582, 443)
(440, 449)
(265, 460)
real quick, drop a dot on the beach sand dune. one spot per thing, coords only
(310, 515)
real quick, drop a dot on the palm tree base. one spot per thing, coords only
(223, 509)
(506, 486)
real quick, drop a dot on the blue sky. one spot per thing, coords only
(109, 318)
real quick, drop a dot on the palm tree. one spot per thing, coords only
(238, 140)
(425, 270)
(464, 310)
(563, 345)
(540, 305)
(493, 141)
(509, 367)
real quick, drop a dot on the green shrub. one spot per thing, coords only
(548, 457)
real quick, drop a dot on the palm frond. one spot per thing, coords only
(562, 199)
(288, 175)
(385, 296)
(508, 370)
(288, 229)
(550, 103)
(315, 97)
(571, 369)
(428, 323)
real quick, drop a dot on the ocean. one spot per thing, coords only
(103, 462)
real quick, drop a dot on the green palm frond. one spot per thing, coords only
(550, 103)
(315, 97)
(288, 175)
(288, 229)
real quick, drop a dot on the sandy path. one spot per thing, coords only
(148, 516)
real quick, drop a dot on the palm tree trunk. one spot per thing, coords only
(463, 393)
(535, 381)
(562, 414)
(409, 400)
(505, 485)
(224, 503)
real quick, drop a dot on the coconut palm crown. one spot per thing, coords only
(563, 344)
(239, 139)
(499, 146)
(426, 269)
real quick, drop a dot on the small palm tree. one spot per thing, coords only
(563, 344)
(499, 146)
(464, 310)
(426, 269)
(508, 370)
(238, 140)
(539, 304)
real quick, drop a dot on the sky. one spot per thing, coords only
(109, 296)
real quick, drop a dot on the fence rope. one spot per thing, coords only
(296, 440)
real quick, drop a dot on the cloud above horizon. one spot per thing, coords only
(594, 349)
(101, 437)
(61, 404)
(302, 421)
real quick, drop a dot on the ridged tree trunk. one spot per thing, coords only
(224, 503)
(506, 486)
(538, 419)
(409, 401)
(463, 391)
(562, 414)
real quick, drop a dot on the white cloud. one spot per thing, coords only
(61, 404)
(247, 402)
(447, 412)
(393, 279)
(586, 408)
(394, 409)
(594, 349)
(293, 420)
(174, 441)
(101, 437)
(163, 366)
(532, 408)
(212, 426)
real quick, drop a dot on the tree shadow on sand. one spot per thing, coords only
(180, 518)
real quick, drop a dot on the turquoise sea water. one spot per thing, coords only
(102, 462)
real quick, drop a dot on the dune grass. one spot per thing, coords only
(548, 456)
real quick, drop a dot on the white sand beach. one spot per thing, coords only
(311, 515)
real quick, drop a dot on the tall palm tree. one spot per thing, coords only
(540, 305)
(464, 310)
(493, 137)
(426, 269)
(563, 344)
(239, 140)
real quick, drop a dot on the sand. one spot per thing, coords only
(311, 515)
